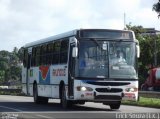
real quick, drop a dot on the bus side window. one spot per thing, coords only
(43, 54)
(49, 54)
(52, 51)
(64, 51)
(37, 56)
(56, 52)
(33, 57)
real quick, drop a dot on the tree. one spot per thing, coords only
(146, 45)
(147, 49)
(10, 66)
(15, 50)
(20, 54)
(2, 76)
(156, 7)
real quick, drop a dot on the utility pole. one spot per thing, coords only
(155, 50)
(124, 21)
(154, 37)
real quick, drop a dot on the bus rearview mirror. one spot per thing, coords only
(138, 51)
(138, 48)
(75, 52)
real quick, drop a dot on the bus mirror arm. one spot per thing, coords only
(75, 52)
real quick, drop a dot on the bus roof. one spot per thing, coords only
(51, 38)
(69, 34)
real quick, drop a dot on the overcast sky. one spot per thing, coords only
(23, 21)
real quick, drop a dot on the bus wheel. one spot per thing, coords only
(64, 102)
(115, 105)
(37, 99)
(44, 100)
(80, 102)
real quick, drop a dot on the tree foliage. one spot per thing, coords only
(147, 49)
(156, 7)
(10, 66)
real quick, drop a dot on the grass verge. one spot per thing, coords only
(145, 102)
(11, 93)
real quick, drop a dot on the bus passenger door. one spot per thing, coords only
(71, 71)
(28, 68)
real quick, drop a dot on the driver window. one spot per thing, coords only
(117, 54)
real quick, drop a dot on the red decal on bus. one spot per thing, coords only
(44, 71)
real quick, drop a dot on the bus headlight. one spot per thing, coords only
(83, 88)
(131, 89)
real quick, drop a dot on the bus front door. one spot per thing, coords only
(71, 72)
(28, 73)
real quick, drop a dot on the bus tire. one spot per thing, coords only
(37, 99)
(44, 100)
(80, 102)
(64, 102)
(115, 105)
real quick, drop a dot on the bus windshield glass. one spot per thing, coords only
(106, 59)
(122, 60)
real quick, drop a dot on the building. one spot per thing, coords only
(150, 31)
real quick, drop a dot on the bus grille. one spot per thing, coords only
(108, 97)
(112, 90)
(108, 83)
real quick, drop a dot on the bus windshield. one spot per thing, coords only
(106, 59)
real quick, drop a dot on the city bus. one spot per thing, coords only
(83, 65)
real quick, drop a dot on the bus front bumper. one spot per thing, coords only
(97, 97)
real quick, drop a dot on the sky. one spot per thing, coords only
(24, 21)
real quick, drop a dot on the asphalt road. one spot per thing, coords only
(23, 107)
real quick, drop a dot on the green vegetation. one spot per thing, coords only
(146, 102)
(156, 7)
(16, 92)
(10, 67)
(149, 46)
(11, 93)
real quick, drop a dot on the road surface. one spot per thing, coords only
(22, 106)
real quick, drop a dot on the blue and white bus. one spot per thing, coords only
(97, 65)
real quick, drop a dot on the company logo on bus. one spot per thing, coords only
(44, 75)
(44, 72)
(109, 88)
